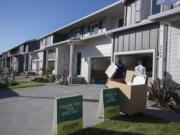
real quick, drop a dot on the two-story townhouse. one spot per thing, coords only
(139, 38)
(39, 60)
(17, 58)
(169, 39)
(82, 48)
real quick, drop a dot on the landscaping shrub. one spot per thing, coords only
(40, 79)
(52, 78)
(164, 93)
(5, 82)
(13, 83)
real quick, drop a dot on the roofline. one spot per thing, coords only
(84, 18)
(32, 40)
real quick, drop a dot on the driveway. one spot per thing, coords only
(29, 111)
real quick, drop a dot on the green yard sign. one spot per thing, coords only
(111, 102)
(68, 115)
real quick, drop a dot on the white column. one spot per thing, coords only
(10, 63)
(57, 61)
(25, 62)
(29, 62)
(71, 63)
(162, 50)
(47, 52)
(5, 62)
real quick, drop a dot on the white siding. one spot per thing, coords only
(173, 63)
(63, 59)
(99, 47)
(37, 62)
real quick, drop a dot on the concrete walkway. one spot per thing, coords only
(30, 111)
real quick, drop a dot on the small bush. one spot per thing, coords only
(52, 78)
(163, 91)
(13, 83)
(40, 79)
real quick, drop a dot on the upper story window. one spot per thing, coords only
(172, 6)
(137, 10)
(133, 12)
(46, 41)
(21, 49)
(155, 8)
(95, 27)
(77, 33)
(120, 22)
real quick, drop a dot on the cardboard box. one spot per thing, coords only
(132, 97)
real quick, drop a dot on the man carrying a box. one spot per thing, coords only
(140, 69)
(121, 71)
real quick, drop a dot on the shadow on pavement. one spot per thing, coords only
(7, 93)
(163, 114)
(91, 100)
(97, 131)
(140, 118)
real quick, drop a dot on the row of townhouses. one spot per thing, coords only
(130, 29)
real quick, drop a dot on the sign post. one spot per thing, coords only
(109, 103)
(67, 115)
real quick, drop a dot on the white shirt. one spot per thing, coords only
(140, 69)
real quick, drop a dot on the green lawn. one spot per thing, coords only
(135, 125)
(24, 84)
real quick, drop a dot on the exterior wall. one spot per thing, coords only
(37, 62)
(15, 64)
(173, 56)
(140, 38)
(1, 65)
(63, 59)
(46, 41)
(20, 63)
(98, 47)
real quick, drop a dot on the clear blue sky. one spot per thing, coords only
(21, 20)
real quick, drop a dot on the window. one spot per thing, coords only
(77, 33)
(47, 41)
(129, 14)
(138, 11)
(155, 8)
(134, 12)
(121, 23)
(94, 28)
(78, 68)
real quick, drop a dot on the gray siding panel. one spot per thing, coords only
(121, 43)
(132, 46)
(116, 42)
(146, 39)
(140, 38)
(154, 34)
(126, 42)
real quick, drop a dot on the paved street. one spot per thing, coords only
(29, 111)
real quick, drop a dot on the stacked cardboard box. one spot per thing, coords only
(132, 97)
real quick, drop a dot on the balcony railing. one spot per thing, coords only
(169, 7)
